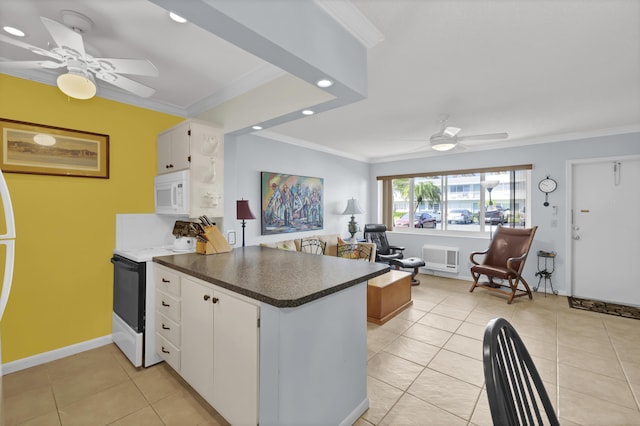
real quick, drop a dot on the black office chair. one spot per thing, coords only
(377, 234)
(514, 388)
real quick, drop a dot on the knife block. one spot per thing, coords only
(216, 242)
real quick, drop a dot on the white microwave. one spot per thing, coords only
(171, 195)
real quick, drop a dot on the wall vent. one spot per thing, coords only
(439, 258)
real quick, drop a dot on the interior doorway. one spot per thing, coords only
(604, 229)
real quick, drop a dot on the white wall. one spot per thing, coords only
(547, 159)
(248, 155)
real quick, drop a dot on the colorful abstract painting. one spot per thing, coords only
(291, 203)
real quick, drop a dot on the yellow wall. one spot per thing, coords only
(63, 280)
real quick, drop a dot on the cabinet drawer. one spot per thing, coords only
(168, 306)
(167, 281)
(169, 329)
(168, 352)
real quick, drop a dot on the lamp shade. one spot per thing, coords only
(352, 207)
(243, 211)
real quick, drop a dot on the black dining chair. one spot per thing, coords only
(514, 388)
(377, 234)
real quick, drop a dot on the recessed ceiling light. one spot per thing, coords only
(13, 31)
(307, 112)
(179, 19)
(324, 83)
(256, 127)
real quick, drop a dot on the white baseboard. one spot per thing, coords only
(32, 361)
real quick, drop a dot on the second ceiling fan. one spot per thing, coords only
(447, 138)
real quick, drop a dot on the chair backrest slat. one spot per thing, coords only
(514, 388)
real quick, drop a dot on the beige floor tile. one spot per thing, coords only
(413, 411)
(452, 312)
(472, 330)
(540, 348)
(446, 392)
(157, 382)
(28, 405)
(381, 398)
(91, 380)
(80, 363)
(429, 335)
(396, 325)
(393, 370)
(440, 322)
(459, 366)
(362, 422)
(547, 369)
(480, 317)
(482, 413)
(632, 372)
(465, 346)
(605, 388)
(143, 417)
(377, 338)
(24, 380)
(104, 407)
(412, 350)
(424, 305)
(182, 409)
(628, 350)
(587, 410)
(596, 346)
(588, 361)
(412, 314)
(466, 301)
(52, 418)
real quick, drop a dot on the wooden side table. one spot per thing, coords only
(387, 295)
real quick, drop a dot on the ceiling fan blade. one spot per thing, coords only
(128, 66)
(30, 64)
(27, 46)
(64, 36)
(127, 84)
(451, 131)
(488, 136)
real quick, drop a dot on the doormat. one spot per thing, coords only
(604, 307)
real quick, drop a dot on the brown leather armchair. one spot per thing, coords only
(504, 260)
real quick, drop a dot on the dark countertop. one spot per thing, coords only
(284, 279)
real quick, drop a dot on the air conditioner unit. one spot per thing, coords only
(440, 258)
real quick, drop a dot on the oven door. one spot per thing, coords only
(128, 319)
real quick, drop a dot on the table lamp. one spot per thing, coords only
(243, 212)
(353, 208)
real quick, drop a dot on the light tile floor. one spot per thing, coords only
(424, 368)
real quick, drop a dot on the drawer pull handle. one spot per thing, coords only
(164, 327)
(214, 300)
(165, 351)
(206, 297)
(165, 304)
(164, 280)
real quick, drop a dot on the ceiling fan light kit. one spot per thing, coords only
(442, 143)
(78, 83)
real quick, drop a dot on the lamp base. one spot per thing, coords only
(353, 228)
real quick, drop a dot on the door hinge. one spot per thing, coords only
(258, 322)
(189, 132)
(189, 159)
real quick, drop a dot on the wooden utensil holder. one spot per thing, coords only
(216, 242)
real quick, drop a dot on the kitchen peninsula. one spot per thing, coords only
(268, 336)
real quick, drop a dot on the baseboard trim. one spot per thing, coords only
(356, 413)
(32, 361)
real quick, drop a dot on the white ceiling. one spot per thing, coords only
(540, 70)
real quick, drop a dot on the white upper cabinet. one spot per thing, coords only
(198, 147)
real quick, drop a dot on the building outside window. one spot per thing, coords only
(472, 201)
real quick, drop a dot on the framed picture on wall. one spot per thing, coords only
(47, 150)
(291, 203)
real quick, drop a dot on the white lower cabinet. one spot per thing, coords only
(220, 349)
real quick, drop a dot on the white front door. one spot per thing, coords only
(606, 230)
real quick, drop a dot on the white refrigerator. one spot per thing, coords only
(8, 240)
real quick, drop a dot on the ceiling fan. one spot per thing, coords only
(447, 138)
(70, 53)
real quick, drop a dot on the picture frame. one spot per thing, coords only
(41, 149)
(291, 203)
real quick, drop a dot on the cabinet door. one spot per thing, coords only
(197, 337)
(164, 153)
(235, 359)
(180, 149)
